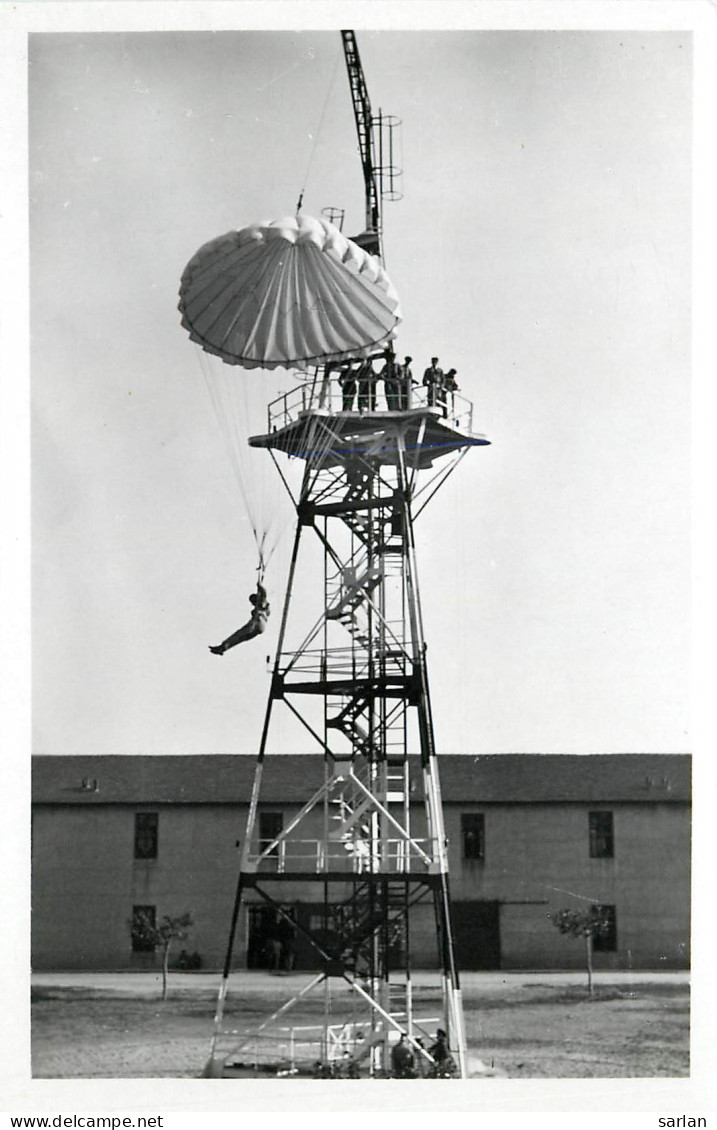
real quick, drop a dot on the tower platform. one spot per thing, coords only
(313, 420)
(425, 435)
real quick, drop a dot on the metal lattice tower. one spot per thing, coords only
(369, 845)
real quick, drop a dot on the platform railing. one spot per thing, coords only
(326, 397)
(290, 1048)
(346, 662)
(352, 855)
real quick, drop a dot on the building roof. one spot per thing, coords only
(512, 778)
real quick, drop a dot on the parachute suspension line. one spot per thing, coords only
(231, 408)
(261, 567)
(266, 513)
(316, 135)
(228, 423)
(225, 418)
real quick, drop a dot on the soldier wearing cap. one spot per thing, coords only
(389, 376)
(433, 381)
(405, 383)
(366, 379)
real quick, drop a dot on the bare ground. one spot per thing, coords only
(521, 1028)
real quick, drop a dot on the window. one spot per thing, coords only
(144, 919)
(146, 835)
(602, 840)
(270, 826)
(473, 835)
(606, 940)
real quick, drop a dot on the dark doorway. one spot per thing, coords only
(271, 941)
(261, 928)
(476, 931)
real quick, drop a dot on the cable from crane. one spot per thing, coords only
(316, 135)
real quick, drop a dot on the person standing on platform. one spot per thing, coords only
(325, 391)
(433, 381)
(347, 381)
(450, 388)
(405, 383)
(389, 376)
(366, 386)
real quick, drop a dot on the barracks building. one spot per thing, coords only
(114, 836)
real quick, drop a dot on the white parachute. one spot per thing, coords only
(289, 293)
(292, 294)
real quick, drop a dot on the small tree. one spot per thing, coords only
(587, 924)
(161, 936)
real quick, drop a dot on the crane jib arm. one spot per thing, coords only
(362, 115)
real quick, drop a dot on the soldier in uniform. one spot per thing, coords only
(433, 381)
(391, 384)
(254, 626)
(405, 382)
(366, 386)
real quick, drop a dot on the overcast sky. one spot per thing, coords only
(541, 248)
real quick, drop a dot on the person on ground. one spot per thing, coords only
(444, 1064)
(439, 1049)
(286, 931)
(402, 1060)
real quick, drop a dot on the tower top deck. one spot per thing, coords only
(310, 422)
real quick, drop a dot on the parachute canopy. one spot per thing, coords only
(287, 293)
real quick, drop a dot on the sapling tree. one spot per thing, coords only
(160, 936)
(588, 924)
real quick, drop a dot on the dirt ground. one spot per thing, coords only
(529, 1026)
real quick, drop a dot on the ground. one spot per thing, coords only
(520, 1025)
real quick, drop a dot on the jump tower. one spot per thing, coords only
(369, 845)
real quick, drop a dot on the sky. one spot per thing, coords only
(542, 248)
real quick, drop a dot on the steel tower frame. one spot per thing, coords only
(357, 841)
(356, 678)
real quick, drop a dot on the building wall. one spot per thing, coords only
(86, 881)
(536, 860)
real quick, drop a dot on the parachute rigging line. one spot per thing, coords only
(316, 135)
(230, 398)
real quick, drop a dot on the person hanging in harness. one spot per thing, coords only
(254, 626)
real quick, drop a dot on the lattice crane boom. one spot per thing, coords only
(364, 129)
